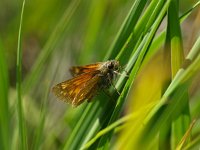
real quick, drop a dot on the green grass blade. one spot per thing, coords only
(21, 121)
(115, 124)
(174, 38)
(181, 123)
(140, 30)
(4, 110)
(126, 29)
(179, 86)
(104, 143)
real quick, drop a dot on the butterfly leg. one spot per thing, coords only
(114, 87)
(123, 68)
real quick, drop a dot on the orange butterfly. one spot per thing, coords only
(87, 81)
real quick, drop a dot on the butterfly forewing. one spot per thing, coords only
(77, 70)
(77, 89)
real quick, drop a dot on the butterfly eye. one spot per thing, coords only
(110, 66)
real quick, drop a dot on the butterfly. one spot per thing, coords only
(86, 82)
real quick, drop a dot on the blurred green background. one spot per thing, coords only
(58, 34)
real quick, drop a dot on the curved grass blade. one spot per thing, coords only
(22, 130)
(126, 29)
(117, 123)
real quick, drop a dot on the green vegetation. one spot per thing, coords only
(156, 42)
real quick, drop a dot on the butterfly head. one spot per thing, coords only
(110, 67)
(113, 65)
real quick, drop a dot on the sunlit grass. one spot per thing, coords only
(154, 109)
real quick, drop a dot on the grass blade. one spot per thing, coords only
(104, 143)
(4, 109)
(22, 132)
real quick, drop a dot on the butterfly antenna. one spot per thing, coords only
(114, 87)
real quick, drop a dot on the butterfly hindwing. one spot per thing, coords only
(78, 89)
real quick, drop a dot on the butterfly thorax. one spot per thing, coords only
(108, 71)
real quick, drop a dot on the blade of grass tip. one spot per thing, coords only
(4, 110)
(105, 139)
(56, 36)
(22, 132)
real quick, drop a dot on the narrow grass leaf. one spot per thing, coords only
(126, 29)
(120, 121)
(186, 136)
(21, 121)
(4, 109)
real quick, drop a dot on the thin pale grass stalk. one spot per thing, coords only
(21, 121)
(186, 136)
(37, 143)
